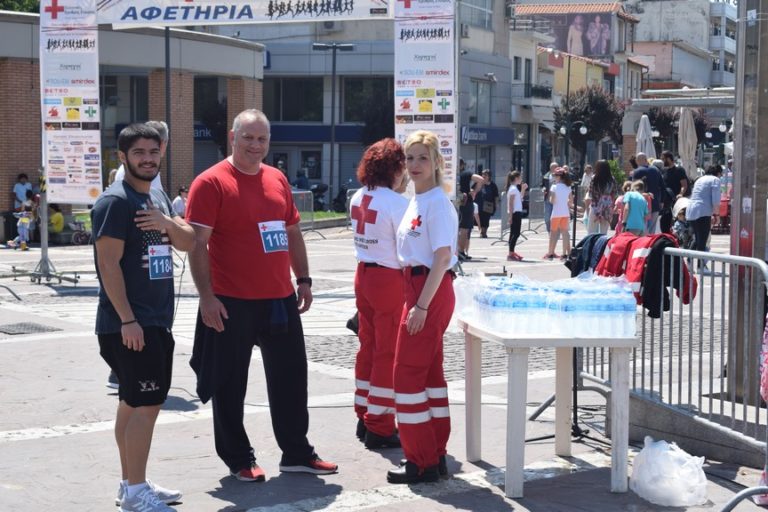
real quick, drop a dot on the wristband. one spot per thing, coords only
(304, 280)
(130, 322)
(421, 308)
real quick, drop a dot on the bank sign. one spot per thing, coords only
(130, 13)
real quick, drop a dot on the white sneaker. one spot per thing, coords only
(165, 495)
(144, 501)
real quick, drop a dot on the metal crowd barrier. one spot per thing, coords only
(350, 193)
(304, 201)
(535, 209)
(689, 357)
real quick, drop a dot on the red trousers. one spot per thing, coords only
(421, 393)
(379, 299)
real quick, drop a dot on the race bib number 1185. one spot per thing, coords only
(273, 236)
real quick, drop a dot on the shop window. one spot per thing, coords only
(294, 99)
(359, 93)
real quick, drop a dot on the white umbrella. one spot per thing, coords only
(644, 138)
(687, 142)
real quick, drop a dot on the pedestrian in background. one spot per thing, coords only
(515, 191)
(561, 199)
(654, 183)
(19, 192)
(376, 211)
(487, 201)
(134, 227)
(426, 248)
(704, 203)
(546, 184)
(636, 209)
(180, 202)
(248, 240)
(601, 194)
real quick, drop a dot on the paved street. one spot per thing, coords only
(57, 451)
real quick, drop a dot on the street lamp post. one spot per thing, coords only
(344, 47)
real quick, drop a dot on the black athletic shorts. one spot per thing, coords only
(145, 377)
(467, 215)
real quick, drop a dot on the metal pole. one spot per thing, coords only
(333, 117)
(169, 176)
(568, 114)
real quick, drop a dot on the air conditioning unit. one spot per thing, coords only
(329, 27)
(464, 31)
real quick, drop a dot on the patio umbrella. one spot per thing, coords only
(687, 142)
(644, 138)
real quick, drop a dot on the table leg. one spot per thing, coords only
(563, 400)
(619, 418)
(517, 383)
(472, 410)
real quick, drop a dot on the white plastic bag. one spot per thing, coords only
(666, 475)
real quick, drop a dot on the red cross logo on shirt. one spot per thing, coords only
(416, 223)
(406, 3)
(152, 251)
(55, 9)
(263, 228)
(363, 215)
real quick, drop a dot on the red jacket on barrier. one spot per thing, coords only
(642, 260)
(614, 261)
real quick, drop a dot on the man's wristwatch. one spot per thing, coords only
(304, 280)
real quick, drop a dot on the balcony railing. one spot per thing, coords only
(543, 92)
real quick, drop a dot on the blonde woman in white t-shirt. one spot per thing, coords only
(561, 197)
(426, 248)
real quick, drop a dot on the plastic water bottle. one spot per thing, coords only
(629, 314)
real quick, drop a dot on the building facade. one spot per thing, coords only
(204, 69)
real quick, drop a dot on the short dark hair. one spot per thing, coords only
(183, 189)
(714, 170)
(667, 154)
(55, 207)
(22, 175)
(133, 132)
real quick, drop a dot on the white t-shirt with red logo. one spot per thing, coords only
(376, 215)
(430, 222)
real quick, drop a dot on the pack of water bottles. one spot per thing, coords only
(587, 306)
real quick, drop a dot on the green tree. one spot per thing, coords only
(594, 108)
(20, 5)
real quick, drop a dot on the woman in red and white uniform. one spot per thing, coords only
(426, 248)
(376, 211)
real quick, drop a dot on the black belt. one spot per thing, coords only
(368, 264)
(420, 270)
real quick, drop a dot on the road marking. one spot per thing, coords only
(165, 418)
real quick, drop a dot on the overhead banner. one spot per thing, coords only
(425, 97)
(133, 13)
(69, 90)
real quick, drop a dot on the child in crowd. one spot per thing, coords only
(515, 209)
(682, 229)
(636, 209)
(618, 206)
(561, 198)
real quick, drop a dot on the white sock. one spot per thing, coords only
(133, 490)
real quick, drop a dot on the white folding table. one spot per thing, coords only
(517, 383)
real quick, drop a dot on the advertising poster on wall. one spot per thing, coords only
(69, 90)
(424, 76)
(586, 35)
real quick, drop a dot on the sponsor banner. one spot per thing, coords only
(424, 76)
(132, 13)
(70, 110)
